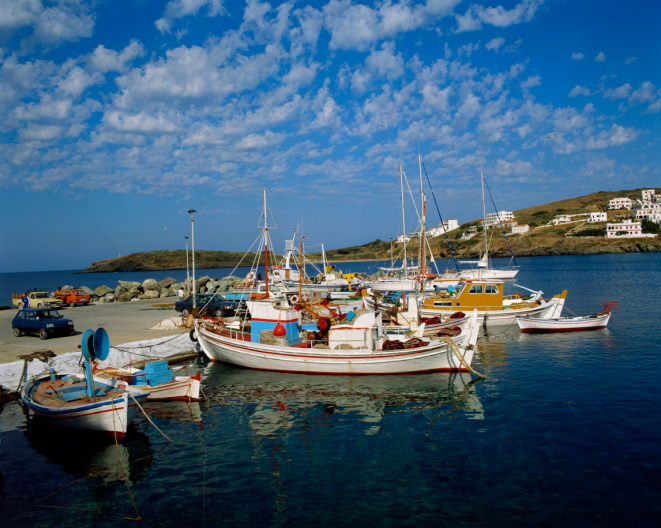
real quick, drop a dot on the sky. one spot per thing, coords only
(119, 117)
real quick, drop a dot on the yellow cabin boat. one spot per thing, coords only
(494, 308)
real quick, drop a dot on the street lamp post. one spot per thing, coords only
(187, 275)
(192, 212)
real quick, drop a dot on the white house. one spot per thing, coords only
(403, 238)
(561, 219)
(493, 219)
(520, 229)
(649, 211)
(620, 203)
(649, 195)
(449, 225)
(626, 229)
(598, 217)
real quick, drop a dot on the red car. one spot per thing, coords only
(75, 297)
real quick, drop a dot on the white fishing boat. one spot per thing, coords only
(271, 340)
(157, 378)
(494, 308)
(531, 325)
(78, 401)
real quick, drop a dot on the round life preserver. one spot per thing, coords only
(251, 276)
(305, 297)
(293, 299)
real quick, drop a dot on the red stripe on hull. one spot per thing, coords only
(550, 330)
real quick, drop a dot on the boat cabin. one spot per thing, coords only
(468, 295)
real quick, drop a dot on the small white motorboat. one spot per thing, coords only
(567, 324)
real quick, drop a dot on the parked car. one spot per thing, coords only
(74, 297)
(43, 321)
(36, 299)
(211, 304)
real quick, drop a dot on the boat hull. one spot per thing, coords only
(563, 324)
(111, 415)
(507, 315)
(438, 355)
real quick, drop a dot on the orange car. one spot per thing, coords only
(75, 297)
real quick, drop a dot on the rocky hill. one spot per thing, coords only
(543, 239)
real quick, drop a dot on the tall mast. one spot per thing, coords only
(300, 272)
(401, 187)
(266, 247)
(484, 220)
(423, 263)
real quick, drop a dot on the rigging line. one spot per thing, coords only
(500, 222)
(454, 259)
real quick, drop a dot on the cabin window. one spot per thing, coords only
(442, 303)
(491, 288)
(475, 288)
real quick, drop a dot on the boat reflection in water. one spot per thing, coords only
(277, 400)
(179, 411)
(83, 455)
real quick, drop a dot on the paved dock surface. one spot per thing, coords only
(125, 323)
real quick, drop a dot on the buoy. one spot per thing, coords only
(279, 331)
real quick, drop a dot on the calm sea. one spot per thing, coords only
(564, 431)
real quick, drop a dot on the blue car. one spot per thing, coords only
(43, 321)
(212, 304)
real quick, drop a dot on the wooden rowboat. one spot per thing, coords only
(78, 401)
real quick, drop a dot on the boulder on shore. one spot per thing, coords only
(101, 291)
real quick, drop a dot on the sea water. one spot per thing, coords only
(564, 431)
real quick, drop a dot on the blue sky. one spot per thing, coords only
(118, 117)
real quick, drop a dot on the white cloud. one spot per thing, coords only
(495, 44)
(601, 57)
(385, 63)
(577, 56)
(141, 123)
(177, 9)
(15, 14)
(435, 97)
(259, 141)
(498, 16)
(616, 136)
(76, 82)
(579, 90)
(646, 92)
(104, 60)
(55, 25)
(621, 92)
(358, 26)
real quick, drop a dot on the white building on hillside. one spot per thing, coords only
(449, 225)
(520, 229)
(626, 229)
(649, 195)
(649, 211)
(567, 218)
(493, 219)
(598, 217)
(620, 203)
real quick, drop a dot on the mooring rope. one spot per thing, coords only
(148, 418)
(453, 346)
